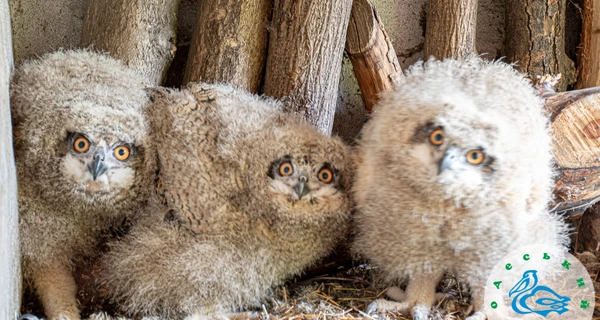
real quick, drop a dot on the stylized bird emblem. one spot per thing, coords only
(527, 288)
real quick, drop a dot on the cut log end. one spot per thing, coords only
(575, 126)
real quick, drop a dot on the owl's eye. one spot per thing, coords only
(325, 175)
(436, 137)
(81, 145)
(475, 157)
(122, 153)
(286, 169)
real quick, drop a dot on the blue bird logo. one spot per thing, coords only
(527, 288)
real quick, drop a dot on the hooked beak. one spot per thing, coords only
(447, 160)
(301, 188)
(97, 167)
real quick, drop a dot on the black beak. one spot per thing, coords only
(97, 167)
(301, 188)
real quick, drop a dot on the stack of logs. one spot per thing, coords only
(292, 50)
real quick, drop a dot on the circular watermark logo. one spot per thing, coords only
(539, 282)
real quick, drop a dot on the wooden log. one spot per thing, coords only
(139, 33)
(229, 43)
(589, 53)
(535, 38)
(10, 279)
(587, 230)
(306, 46)
(450, 30)
(575, 125)
(370, 49)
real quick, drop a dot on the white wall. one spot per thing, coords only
(9, 223)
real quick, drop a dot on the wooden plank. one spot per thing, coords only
(10, 279)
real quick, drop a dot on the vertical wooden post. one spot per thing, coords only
(589, 53)
(451, 28)
(10, 279)
(370, 49)
(535, 39)
(229, 43)
(304, 62)
(139, 33)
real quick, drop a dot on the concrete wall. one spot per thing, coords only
(41, 26)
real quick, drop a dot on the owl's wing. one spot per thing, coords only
(194, 180)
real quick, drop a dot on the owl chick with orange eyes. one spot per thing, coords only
(453, 172)
(83, 160)
(251, 196)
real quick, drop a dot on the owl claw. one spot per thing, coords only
(28, 316)
(383, 305)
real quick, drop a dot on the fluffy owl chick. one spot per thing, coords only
(453, 172)
(81, 149)
(250, 204)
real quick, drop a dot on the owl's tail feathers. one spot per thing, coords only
(166, 271)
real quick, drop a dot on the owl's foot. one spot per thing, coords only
(383, 305)
(419, 311)
(397, 294)
(419, 296)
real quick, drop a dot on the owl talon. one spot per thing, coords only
(420, 312)
(383, 305)
(28, 316)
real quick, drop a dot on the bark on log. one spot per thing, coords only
(587, 230)
(139, 33)
(450, 28)
(304, 62)
(535, 38)
(575, 125)
(10, 279)
(371, 52)
(589, 54)
(229, 43)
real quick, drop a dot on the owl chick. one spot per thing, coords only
(251, 197)
(453, 172)
(82, 154)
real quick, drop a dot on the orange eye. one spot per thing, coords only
(122, 153)
(81, 145)
(475, 157)
(436, 137)
(286, 169)
(325, 175)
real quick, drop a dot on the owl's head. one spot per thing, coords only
(80, 131)
(468, 131)
(305, 171)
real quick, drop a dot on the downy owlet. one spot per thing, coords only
(83, 163)
(250, 196)
(455, 161)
